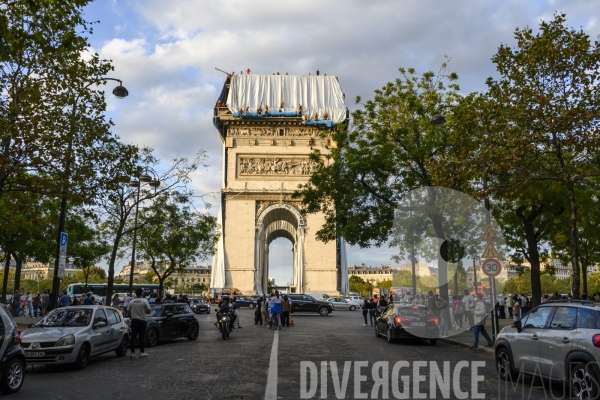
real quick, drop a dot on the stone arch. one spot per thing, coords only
(278, 220)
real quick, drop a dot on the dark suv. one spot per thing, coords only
(306, 303)
(559, 340)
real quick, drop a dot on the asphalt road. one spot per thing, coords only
(243, 367)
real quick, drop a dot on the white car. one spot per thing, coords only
(356, 300)
(339, 303)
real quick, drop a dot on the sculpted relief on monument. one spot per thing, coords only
(298, 166)
(268, 131)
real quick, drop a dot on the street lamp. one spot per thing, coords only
(153, 182)
(120, 92)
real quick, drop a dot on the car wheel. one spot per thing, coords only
(323, 311)
(13, 376)
(194, 332)
(389, 335)
(583, 382)
(504, 366)
(352, 308)
(152, 338)
(122, 349)
(251, 306)
(82, 357)
(376, 330)
(433, 341)
(208, 311)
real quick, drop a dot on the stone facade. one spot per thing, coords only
(265, 161)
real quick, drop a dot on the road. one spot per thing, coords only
(249, 366)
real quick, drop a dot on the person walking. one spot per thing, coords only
(509, 307)
(45, 299)
(501, 307)
(373, 310)
(459, 311)
(365, 309)
(468, 303)
(257, 313)
(115, 301)
(516, 309)
(65, 300)
(126, 301)
(138, 308)
(264, 311)
(382, 304)
(16, 303)
(444, 315)
(36, 304)
(29, 305)
(480, 313)
(286, 307)
(89, 300)
(432, 304)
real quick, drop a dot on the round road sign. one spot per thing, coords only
(491, 267)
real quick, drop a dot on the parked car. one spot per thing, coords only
(558, 340)
(356, 300)
(339, 303)
(403, 321)
(71, 335)
(306, 303)
(12, 356)
(199, 306)
(243, 301)
(170, 321)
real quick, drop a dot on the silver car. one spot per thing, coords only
(339, 303)
(559, 340)
(71, 335)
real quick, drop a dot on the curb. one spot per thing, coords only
(482, 350)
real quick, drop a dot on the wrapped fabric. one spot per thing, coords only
(318, 95)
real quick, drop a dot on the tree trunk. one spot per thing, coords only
(19, 265)
(573, 240)
(111, 265)
(5, 280)
(534, 254)
(161, 281)
(584, 276)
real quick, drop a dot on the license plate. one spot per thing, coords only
(417, 324)
(35, 354)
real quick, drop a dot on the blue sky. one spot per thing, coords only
(166, 51)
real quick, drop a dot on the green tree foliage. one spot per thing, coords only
(545, 110)
(385, 284)
(175, 236)
(357, 284)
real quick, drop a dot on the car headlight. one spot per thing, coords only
(65, 341)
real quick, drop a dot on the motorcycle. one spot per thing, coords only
(224, 323)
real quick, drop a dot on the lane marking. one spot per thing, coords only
(271, 392)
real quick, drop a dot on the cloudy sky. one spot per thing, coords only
(166, 52)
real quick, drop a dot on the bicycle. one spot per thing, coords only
(275, 321)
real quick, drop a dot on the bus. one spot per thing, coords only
(100, 288)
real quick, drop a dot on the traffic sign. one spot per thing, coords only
(62, 259)
(489, 235)
(491, 267)
(490, 251)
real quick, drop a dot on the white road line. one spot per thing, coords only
(271, 392)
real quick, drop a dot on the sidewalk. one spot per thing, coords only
(465, 339)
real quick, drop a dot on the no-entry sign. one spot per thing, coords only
(491, 267)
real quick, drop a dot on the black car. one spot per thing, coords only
(406, 321)
(13, 363)
(306, 303)
(171, 321)
(199, 306)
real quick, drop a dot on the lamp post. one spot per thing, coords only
(120, 92)
(152, 182)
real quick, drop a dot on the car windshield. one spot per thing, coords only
(414, 312)
(67, 317)
(156, 311)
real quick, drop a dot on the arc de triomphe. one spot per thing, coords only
(269, 124)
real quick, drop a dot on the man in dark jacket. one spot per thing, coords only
(373, 310)
(286, 307)
(257, 313)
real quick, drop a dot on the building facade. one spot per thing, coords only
(269, 125)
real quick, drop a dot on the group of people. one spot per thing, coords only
(273, 309)
(29, 303)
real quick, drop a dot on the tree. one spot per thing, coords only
(175, 236)
(391, 149)
(357, 284)
(546, 108)
(385, 284)
(402, 279)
